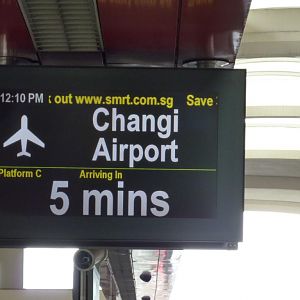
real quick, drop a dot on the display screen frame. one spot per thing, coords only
(222, 231)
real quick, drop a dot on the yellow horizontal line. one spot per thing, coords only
(118, 169)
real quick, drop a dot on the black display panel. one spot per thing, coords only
(121, 157)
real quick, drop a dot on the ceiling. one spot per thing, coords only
(271, 33)
(142, 32)
(272, 42)
(172, 33)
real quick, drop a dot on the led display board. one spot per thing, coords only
(121, 157)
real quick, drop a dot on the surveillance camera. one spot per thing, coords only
(146, 298)
(85, 260)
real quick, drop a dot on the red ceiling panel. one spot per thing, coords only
(211, 29)
(139, 31)
(143, 32)
(15, 40)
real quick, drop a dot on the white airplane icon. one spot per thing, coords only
(24, 135)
